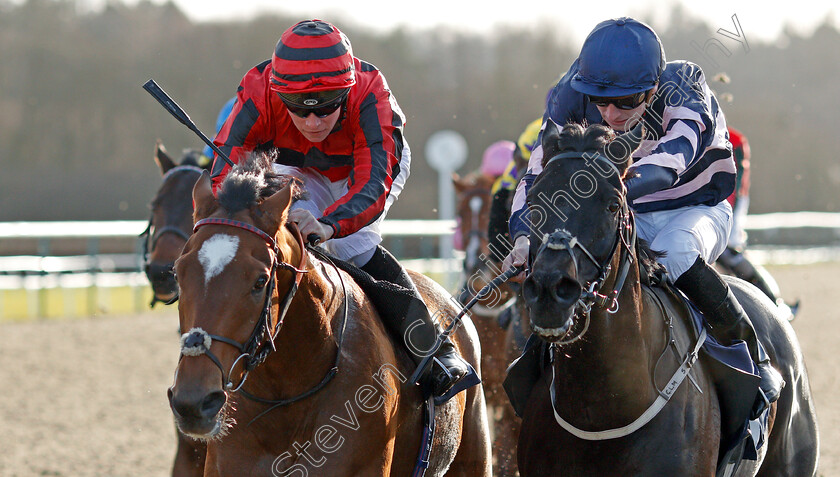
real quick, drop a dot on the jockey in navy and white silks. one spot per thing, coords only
(681, 175)
(686, 143)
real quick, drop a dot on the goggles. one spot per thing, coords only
(632, 101)
(321, 104)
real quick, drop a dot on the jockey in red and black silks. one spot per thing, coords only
(334, 124)
(364, 147)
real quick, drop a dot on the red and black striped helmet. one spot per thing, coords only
(312, 56)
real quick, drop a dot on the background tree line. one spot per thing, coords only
(77, 132)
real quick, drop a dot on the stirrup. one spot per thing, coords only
(443, 377)
(760, 405)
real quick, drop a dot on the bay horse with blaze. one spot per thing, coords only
(286, 367)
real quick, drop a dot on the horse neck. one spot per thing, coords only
(617, 350)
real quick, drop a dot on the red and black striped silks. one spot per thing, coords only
(311, 56)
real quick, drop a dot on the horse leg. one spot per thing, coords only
(473, 458)
(189, 458)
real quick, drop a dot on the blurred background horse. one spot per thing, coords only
(170, 225)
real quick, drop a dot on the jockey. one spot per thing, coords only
(336, 125)
(681, 175)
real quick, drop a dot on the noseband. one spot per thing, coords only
(261, 342)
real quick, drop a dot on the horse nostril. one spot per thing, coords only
(213, 403)
(205, 407)
(566, 291)
(530, 290)
(560, 289)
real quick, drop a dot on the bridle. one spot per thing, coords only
(260, 344)
(561, 239)
(149, 239)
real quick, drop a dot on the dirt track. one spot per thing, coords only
(88, 397)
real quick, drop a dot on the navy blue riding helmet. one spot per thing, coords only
(620, 57)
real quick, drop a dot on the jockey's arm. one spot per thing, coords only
(647, 179)
(519, 222)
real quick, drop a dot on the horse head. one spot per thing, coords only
(579, 221)
(229, 273)
(473, 208)
(171, 221)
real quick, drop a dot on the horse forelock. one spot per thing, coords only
(581, 138)
(253, 180)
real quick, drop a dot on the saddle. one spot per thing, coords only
(736, 379)
(392, 300)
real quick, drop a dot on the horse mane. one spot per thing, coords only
(253, 180)
(649, 261)
(582, 138)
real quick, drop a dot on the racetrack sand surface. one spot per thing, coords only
(88, 397)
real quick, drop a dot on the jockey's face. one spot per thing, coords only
(624, 119)
(313, 128)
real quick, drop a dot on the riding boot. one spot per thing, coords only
(728, 320)
(745, 270)
(417, 329)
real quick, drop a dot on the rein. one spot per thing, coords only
(275, 403)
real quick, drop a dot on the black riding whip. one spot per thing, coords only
(507, 275)
(170, 105)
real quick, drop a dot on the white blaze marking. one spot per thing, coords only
(216, 253)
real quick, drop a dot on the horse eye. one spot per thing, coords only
(261, 282)
(614, 206)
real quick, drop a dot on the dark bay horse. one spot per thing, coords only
(473, 202)
(170, 225)
(171, 220)
(610, 338)
(286, 368)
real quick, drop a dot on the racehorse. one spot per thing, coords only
(473, 199)
(170, 225)
(171, 221)
(286, 367)
(614, 340)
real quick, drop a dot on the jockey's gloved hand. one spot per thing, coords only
(309, 225)
(647, 179)
(518, 256)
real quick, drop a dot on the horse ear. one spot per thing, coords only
(620, 149)
(203, 198)
(458, 182)
(162, 158)
(276, 207)
(550, 139)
